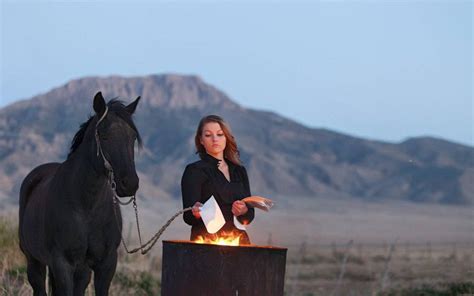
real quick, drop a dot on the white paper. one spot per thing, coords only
(211, 215)
(238, 224)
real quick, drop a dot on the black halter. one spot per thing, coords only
(108, 166)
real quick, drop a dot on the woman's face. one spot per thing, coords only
(213, 139)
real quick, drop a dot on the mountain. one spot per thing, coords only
(284, 159)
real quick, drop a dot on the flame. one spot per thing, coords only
(224, 239)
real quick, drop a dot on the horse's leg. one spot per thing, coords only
(37, 276)
(103, 274)
(82, 277)
(63, 276)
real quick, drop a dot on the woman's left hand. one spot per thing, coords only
(239, 208)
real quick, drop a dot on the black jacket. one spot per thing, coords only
(201, 180)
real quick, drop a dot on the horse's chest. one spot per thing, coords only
(101, 242)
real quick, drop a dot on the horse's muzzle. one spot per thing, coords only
(127, 186)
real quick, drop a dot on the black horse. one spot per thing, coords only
(67, 215)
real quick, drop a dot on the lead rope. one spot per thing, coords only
(144, 248)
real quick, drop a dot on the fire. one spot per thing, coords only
(224, 239)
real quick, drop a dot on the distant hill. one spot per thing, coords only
(284, 158)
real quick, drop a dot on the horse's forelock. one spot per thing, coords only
(119, 108)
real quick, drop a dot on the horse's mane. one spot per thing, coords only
(116, 106)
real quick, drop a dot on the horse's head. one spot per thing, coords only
(115, 136)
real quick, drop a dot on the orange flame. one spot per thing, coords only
(224, 239)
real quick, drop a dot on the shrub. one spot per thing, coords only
(451, 289)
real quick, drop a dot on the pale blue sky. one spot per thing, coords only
(379, 70)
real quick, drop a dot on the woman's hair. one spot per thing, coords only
(230, 152)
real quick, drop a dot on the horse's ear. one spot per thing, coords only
(133, 105)
(99, 104)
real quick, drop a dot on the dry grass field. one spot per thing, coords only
(334, 248)
(395, 269)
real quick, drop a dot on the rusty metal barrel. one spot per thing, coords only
(204, 269)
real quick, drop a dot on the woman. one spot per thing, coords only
(219, 173)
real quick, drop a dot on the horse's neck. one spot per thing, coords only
(90, 185)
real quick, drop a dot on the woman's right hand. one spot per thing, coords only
(197, 210)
